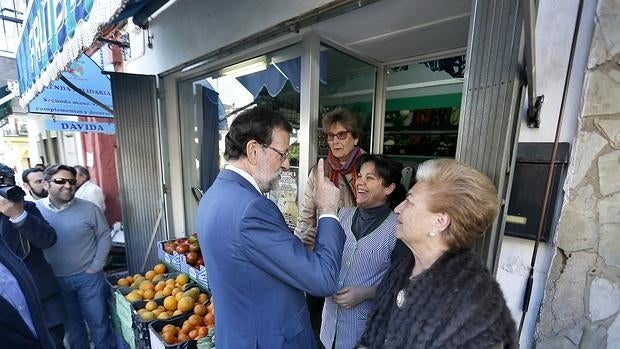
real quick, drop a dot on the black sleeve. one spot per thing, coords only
(399, 252)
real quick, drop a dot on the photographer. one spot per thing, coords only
(26, 233)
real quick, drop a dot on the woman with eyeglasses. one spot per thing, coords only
(342, 132)
(370, 230)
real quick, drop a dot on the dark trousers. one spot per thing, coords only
(58, 333)
(315, 307)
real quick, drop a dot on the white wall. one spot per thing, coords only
(554, 32)
(191, 28)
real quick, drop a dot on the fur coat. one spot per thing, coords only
(456, 303)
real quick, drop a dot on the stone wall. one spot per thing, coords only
(582, 296)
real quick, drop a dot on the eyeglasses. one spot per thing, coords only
(62, 181)
(342, 135)
(283, 155)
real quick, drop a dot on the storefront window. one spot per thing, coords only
(209, 105)
(422, 110)
(348, 82)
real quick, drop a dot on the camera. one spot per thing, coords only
(12, 192)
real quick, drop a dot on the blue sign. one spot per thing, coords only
(49, 24)
(58, 98)
(55, 33)
(74, 126)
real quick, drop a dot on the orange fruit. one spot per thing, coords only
(148, 294)
(158, 294)
(170, 303)
(122, 282)
(168, 337)
(150, 305)
(178, 295)
(133, 296)
(200, 310)
(146, 285)
(183, 337)
(187, 326)
(170, 328)
(167, 291)
(177, 312)
(163, 316)
(150, 274)
(186, 304)
(202, 298)
(159, 268)
(202, 332)
(195, 320)
(148, 316)
(182, 279)
(193, 334)
(209, 319)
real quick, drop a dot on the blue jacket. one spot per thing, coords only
(258, 270)
(13, 329)
(36, 234)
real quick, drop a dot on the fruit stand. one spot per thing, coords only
(168, 306)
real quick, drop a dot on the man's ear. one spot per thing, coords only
(251, 149)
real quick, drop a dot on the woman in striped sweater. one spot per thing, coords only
(370, 241)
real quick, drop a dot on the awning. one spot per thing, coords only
(55, 35)
(274, 78)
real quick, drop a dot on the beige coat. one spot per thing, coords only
(307, 210)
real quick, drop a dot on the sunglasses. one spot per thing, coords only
(62, 181)
(342, 135)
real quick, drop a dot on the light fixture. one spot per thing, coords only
(247, 67)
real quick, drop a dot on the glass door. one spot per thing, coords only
(422, 110)
(208, 105)
(348, 82)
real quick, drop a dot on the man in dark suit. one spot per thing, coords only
(26, 233)
(22, 324)
(258, 271)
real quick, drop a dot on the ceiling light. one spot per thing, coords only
(244, 68)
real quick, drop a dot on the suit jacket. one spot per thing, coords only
(34, 235)
(13, 329)
(258, 271)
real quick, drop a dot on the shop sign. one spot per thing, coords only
(80, 126)
(60, 99)
(55, 33)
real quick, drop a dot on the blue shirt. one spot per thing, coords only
(10, 290)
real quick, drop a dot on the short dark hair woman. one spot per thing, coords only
(370, 240)
(443, 297)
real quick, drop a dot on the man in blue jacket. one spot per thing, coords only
(258, 270)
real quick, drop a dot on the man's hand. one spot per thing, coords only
(349, 297)
(10, 208)
(327, 195)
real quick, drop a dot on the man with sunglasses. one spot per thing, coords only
(78, 258)
(26, 234)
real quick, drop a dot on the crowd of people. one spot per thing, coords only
(53, 247)
(371, 264)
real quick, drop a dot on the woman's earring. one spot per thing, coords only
(432, 233)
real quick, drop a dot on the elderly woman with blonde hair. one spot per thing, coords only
(443, 297)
